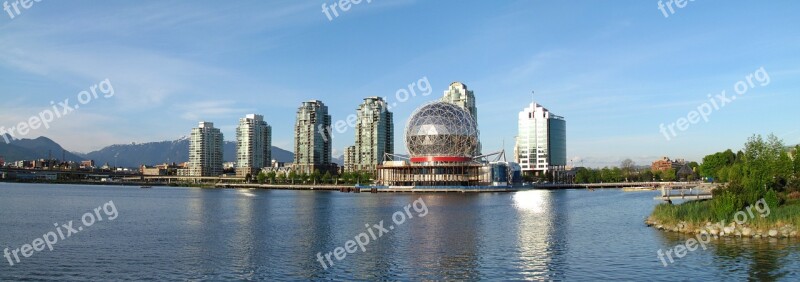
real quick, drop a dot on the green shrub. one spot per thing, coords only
(725, 205)
(772, 199)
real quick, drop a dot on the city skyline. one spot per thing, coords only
(615, 95)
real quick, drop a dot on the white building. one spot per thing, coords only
(205, 150)
(253, 145)
(542, 141)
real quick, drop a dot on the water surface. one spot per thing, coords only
(213, 234)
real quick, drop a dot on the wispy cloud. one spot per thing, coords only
(209, 110)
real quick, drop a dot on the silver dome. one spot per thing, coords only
(441, 129)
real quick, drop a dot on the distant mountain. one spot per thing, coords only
(134, 155)
(128, 155)
(33, 149)
(338, 160)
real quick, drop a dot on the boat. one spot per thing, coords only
(638, 189)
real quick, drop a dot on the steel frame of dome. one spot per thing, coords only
(441, 132)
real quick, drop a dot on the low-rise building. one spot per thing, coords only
(87, 164)
(665, 164)
(152, 171)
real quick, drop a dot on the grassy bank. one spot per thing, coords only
(700, 213)
(762, 181)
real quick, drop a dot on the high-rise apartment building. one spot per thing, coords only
(205, 151)
(253, 145)
(350, 159)
(459, 94)
(374, 134)
(312, 138)
(542, 141)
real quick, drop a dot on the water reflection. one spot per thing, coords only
(764, 258)
(733, 258)
(541, 233)
(446, 241)
(245, 245)
(209, 234)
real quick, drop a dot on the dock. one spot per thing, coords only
(686, 191)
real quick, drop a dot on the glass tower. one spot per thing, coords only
(542, 141)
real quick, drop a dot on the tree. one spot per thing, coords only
(528, 178)
(271, 176)
(248, 178)
(262, 177)
(713, 163)
(282, 178)
(616, 174)
(784, 166)
(327, 177)
(583, 176)
(315, 176)
(292, 176)
(669, 175)
(796, 156)
(647, 175)
(628, 167)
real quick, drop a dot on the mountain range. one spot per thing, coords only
(33, 149)
(123, 155)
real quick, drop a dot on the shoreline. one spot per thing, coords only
(333, 187)
(732, 230)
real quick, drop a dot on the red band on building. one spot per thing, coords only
(440, 159)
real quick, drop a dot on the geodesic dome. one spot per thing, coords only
(441, 129)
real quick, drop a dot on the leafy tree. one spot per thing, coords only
(362, 177)
(282, 178)
(796, 156)
(292, 176)
(583, 176)
(646, 176)
(669, 175)
(605, 174)
(262, 177)
(271, 176)
(327, 177)
(628, 167)
(303, 177)
(739, 156)
(616, 175)
(528, 178)
(315, 176)
(713, 163)
(784, 167)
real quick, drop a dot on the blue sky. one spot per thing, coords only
(615, 70)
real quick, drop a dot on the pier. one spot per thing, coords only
(686, 191)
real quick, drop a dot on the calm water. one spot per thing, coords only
(203, 234)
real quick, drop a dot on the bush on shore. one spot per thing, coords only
(765, 169)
